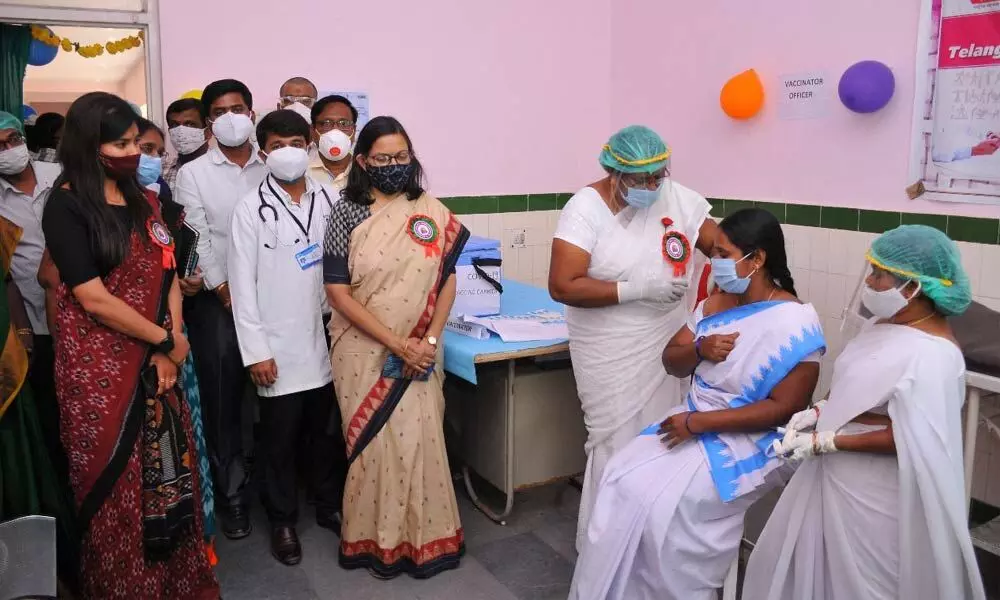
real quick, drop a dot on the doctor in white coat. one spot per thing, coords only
(276, 280)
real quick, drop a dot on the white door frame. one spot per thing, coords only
(148, 20)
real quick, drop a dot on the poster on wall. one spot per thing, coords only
(360, 102)
(956, 117)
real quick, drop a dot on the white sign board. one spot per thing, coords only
(803, 96)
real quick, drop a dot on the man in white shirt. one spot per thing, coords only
(24, 187)
(275, 271)
(208, 188)
(334, 121)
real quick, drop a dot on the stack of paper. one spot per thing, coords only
(531, 327)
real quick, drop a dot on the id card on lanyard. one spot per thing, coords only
(309, 257)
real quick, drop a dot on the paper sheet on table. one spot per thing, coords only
(530, 327)
(472, 330)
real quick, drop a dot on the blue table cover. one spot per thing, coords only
(460, 351)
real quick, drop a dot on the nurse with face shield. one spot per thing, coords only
(877, 508)
(622, 263)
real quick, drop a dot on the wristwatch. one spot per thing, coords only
(167, 345)
(433, 341)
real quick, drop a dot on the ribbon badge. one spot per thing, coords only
(160, 235)
(424, 231)
(677, 251)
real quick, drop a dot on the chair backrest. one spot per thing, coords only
(28, 558)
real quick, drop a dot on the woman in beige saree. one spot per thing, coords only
(389, 266)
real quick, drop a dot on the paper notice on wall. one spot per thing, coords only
(956, 125)
(804, 96)
(360, 102)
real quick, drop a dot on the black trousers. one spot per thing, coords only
(41, 377)
(221, 381)
(283, 420)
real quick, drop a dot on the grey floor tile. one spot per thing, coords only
(559, 532)
(529, 567)
(247, 571)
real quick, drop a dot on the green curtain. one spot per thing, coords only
(14, 43)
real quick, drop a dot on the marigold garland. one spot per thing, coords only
(45, 36)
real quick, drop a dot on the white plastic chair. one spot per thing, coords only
(28, 558)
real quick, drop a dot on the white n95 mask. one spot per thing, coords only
(232, 130)
(186, 140)
(288, 164)
(302, 109)
(334, 145)
(14, 160)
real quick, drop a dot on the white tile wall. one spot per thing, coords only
(826, 266)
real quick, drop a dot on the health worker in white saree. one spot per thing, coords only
(668, 518)
(622, 263)
(877, 509)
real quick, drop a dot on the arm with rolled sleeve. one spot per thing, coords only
(188, 195)
(243, 287)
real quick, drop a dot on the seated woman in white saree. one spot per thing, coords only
(669, 513)
(622, 262)
(877, 510)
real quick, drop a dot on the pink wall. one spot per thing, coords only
(500, 98)
(134, 84)
(671, 59)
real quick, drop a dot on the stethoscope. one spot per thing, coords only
(265, 205)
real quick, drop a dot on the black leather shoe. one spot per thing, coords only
(285, 545)
(236, 522)
(332, 521)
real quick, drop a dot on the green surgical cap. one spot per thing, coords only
(924, 254)
(635, 149)
(9, 121)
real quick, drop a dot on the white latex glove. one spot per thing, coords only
(653, 286)
(802, 420)
(804, 445)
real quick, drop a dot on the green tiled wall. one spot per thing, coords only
(962, 229)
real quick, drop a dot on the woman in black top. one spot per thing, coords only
(118, 344)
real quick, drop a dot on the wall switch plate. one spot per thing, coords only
(517, 238)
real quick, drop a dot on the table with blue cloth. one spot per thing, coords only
(518, 413)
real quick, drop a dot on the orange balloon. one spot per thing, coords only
(743, 96)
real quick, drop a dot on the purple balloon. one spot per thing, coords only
(866, 86)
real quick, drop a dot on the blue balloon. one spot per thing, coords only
(866, 86)
(40, 54)
(27, 111)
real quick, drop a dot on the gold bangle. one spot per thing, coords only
(25, 331)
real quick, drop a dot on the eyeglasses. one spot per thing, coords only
(345, 125)
(652, 180)
(14, 140)
(384, 160)
(306, 101)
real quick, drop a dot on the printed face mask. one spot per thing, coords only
(725, 276)
(390, 179)
(186, 140)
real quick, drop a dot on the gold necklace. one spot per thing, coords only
(917, 321)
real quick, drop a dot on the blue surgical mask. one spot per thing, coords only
(149, 169)
(641, 198)
(724, 274)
